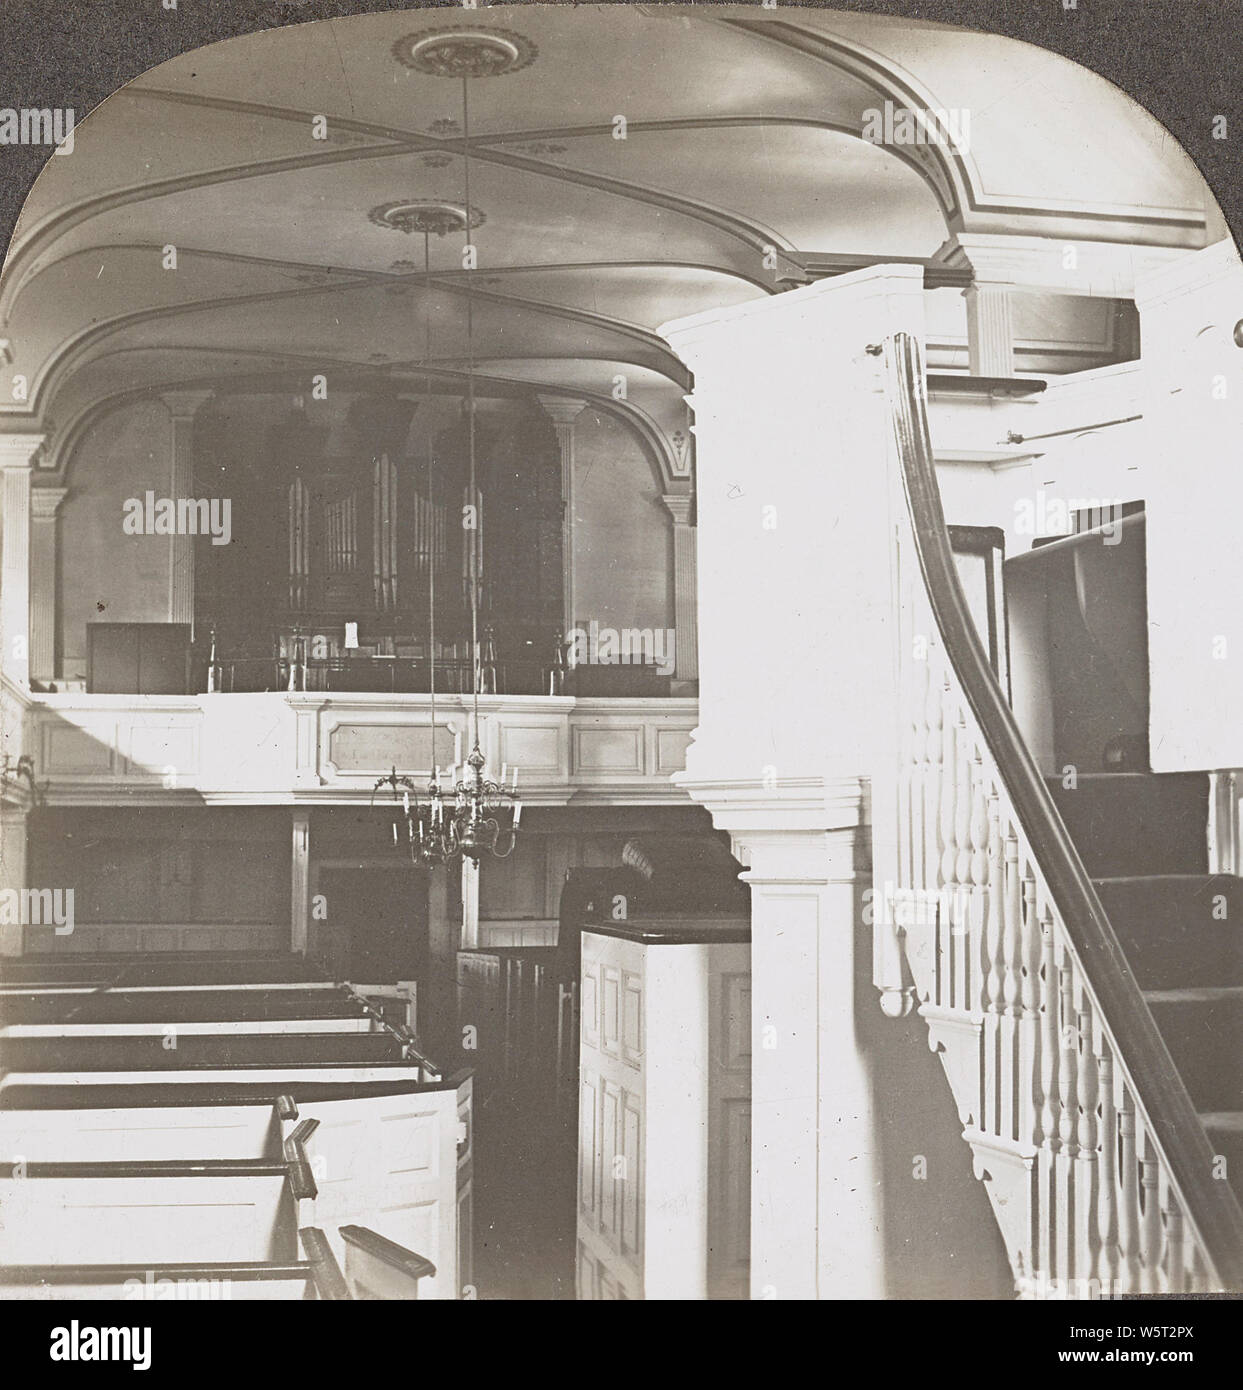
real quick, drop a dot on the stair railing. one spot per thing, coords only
(1097, 1166)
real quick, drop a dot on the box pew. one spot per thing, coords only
(147, 1214)
(122, 1135)
(159, 1211)
(182, 968)
(51, 1093)
(70, 1090)
(402, 1166)
(180, 1051)
(177, 1006)
(377, 1269)
(246, 1027)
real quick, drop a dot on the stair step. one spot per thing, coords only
(1137, 823)
(1178, 930)
(1225, 1136)
(1203, 1029)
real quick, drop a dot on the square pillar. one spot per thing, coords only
(13, 851)
(685, 586)
(470, 904)
(300, 884)
(182, 407)
(16, 460)
(563, 411)
(797, 715)
(44, 508)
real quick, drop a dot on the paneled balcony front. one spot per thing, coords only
(286, 747)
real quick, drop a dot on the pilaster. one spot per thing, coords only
(563, 411)
(44, 508)
(16, 460)
(182, 407)
(685, 586)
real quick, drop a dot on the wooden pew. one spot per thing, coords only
(403, 1166)
(159, 1211)
(238, 1132)
(315, 1276)
(249, 1027)
(177, 1006)
(82, 1214)
(181, 1051)
(179, 968)
(379, 1268)
(100, 1090)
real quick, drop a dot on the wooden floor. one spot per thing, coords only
(525, 1198)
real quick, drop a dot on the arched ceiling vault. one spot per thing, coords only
(742, 170)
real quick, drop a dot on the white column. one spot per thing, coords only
(44, 506)
(12, 872)
(470, 904)
(797, 712)
(16, 455)
(685, 586)
(300, 884)
(182, 406)
(817, 1213)
(563, 411)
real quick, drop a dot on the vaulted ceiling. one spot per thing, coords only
(741, 164)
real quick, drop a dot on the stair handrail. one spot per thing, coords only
(1162, 1101)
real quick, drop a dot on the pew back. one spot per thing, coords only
(236, 1132)
(400, 1165)
(147, 1220)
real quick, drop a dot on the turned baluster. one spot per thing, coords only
(1029, 1022)
(948, 900)
(1068, 1117)
(1049, 1103)
(990, 971)
(1150, 1216)
(1086, 1168)
(1128, 1206)
(1175, 1256)
(978, 874)
(1008, 1029)
(1107, 1187)
(933, 719)
(990, 978)
(1011, 929)
(964, 810)
(914, 825)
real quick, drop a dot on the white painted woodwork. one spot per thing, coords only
(401, 1166)
(44, 505)
(256, 749)
(261, 1075)
(664, 1124)
(239, 1029)
(794, 497)
(134, 1135)
(16, 454)
(144, 1284)
(1193, 425)
(146, 1220)
(1082, 1195)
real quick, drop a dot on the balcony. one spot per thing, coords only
(329, 747)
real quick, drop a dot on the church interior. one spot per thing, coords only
(603, 689)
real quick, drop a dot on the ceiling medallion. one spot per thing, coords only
(417, 215)
(465, 51)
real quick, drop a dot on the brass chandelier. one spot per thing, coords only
(471, 814)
